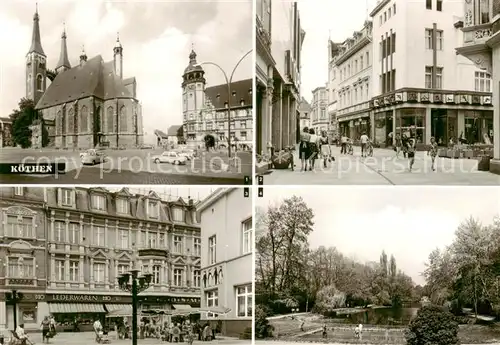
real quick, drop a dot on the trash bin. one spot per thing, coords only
(484, 163)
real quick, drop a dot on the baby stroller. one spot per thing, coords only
(102, 337)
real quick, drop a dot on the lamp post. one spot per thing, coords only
(135, 284)
(228, 83)
(14, 297)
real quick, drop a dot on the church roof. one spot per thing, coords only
(240, 90)
(160, 134)
(173, 130)
(36, 43)
(94, 78)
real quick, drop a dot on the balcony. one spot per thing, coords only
(156, 252)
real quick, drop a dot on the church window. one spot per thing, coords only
(84, 123)
(29, 84)
(71, 121)
(123, 119)
(109, 120)
(39, 82)
(59, 123)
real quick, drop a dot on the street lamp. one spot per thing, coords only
(14, 297)
(228, 83)
(132, 282)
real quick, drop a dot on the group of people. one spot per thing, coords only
(48, 327)
(313, 147)
(407, 145)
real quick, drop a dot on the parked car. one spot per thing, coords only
(189, 154)
(171, 157)
(146, 147)
(92, 157)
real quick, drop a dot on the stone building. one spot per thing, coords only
(226, 223)
(305, 111)
(87, 104)
(205, 109)
(319, 117)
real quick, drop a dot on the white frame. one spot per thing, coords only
(177, 214)
(74, 271)
(197, 278)
(177, 275)
(19, 191)
(60, 265)
(246, 234)
(66, 197)
(96, 235)
(122, 202)
(73, 233)
(60, 231)
(18, 262)
(484, 78)
(177, 242)
(156, 271)
(96, 204)
(212, 249)
(197, 246)
(247, 293)
(95, 270)
(212, 295)
(124, 235)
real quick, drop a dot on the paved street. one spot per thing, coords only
(130, 167)
(272, 342)
(87, 338)
(384, 169)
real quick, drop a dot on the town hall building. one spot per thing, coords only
(86, 105)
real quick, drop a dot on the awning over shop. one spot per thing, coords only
(116, 307)
(70, 308)
(215, 310)
(181, 306)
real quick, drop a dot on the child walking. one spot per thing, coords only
(433, 150)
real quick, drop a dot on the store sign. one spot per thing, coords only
(424, 97)
(487, 100)
(80, 298)
(438, 98)
(476, 99)
(399, 97)
(412, 97)
(450, 98)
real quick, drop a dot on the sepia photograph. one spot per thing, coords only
(126, 92)
(125, 265)
(371, 265)
(378, 92)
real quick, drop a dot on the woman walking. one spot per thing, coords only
(45, 329)
(397, 145)
(411, 153)
(324, 146)
(304, 148)
(433, 151)
(313, 148)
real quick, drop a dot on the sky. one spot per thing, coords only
(408, 222)
(157, 37)
(322, 19)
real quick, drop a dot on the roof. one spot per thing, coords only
(93, 78)
(304, 106)
(173, 130)
(193, 65)
(212, 198)
(241, 90)
(160, 133)
(36, 43)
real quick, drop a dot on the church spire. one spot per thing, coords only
(63, 63)
(36, 43)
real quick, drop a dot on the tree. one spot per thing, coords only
(329, 298)
(22, 119)
(433, 326)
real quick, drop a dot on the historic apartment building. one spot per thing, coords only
(319, 116)
(87, 237)
(481, 44)
(205, 109)
(351, 76)
(227, 239)
(305, 111)
(425, 88)
(332, 87)
(279, 43)
(87, 104)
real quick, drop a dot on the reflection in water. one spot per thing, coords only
(381, 316)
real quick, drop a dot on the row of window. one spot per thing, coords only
(360, 93)
(246, 242)
(429, 39)
(439, 5)
(357, 66)
(244, 296)
(388, 46)
(384, 17)
(388, 81)
(322, 114)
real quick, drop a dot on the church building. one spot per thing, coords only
(86, 105)
(205, 109)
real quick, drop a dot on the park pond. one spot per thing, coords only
(377, 316)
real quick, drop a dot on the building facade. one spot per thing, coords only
(415, 89)
(351, 63)
(227, 235)
(305, 111)
(481, 44)
(90, 237)
(279, 40)
(205, 109)
(85, 105)
(332, 88)
(6, 132)
(319, 117)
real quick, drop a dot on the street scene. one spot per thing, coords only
(359, 78)
(125, 265)
(100, 96)
(361, 267)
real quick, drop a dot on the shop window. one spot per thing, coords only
(244, 301)
(482, 81)
(28, 313)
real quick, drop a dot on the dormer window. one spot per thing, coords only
(18, 191)
(234, 93)
(153, 208)
(177, 214)
(242, 102)
(122, 206)
(98, 202)
(226, 104)
(67, 197)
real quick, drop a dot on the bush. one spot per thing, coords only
(432, 325)
(262, 327)
(247, 334)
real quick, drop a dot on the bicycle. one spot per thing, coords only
(369, 149)
(350, 149)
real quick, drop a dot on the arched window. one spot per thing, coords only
(39, 82)
(71, 121)
(59, 123)
(109, 120)
(30, 87)
(123, 119)
(84, 120)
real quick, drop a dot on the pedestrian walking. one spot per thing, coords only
(304, 148)
(433, 151)
(325, 149)
(411, 153)
(313, 148)
(324, 334)
(343, 144)
(45, 325)
(364, 144)
(397, 145)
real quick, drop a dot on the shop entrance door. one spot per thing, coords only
(439, 123)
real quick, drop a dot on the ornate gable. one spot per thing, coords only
(99, 190)
(19, 211)
(124, 256)
(152, 195)
(20, 246)
(124, 192)
(179, 261)
(99, 254)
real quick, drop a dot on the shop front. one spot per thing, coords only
(383, 123)
(29, 309)
(411, 122)
(478, 127)
(355, 125)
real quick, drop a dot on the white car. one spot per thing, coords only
(92, 157)
(170, 157)
(189, 154)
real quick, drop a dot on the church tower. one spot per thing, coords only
(36, 64)
(193, 97)
(118, 57)
(63, 64)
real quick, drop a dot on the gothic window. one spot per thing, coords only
(109, 120)
(123, 119)
(59, 124)
(39, 82)
(29, 84)
(71, 121)
(84, 122)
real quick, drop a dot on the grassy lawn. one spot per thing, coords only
(288, 329)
